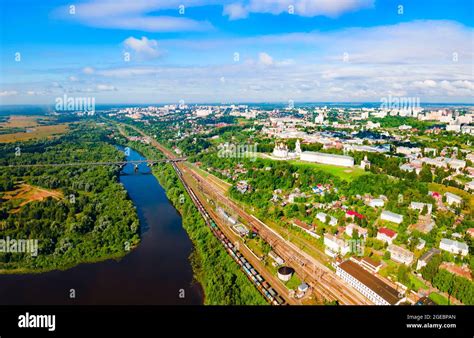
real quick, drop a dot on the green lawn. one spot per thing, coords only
(438, 299)
(255, 246)
(417, 283)
(344, 173)
(293, 283)
(389, 269)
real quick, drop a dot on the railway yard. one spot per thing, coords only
(323, 282)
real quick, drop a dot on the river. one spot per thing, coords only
(157, 272)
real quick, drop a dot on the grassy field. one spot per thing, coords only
(417, 283)
(255, 245)
(390, 269)
(20, 121)
(438, 299)
(33, 129)
(344, 173)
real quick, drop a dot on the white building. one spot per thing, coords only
(335, 246)
(391, 217)
(400, 255)
(456, 164)
(339, 160)
(453, 127)
(420, 206)
(368, 284)
(466, 129)
(203, 112)
(376, 202)
(407, 150)
(453, 199)
(365, 163)
(386, 235)
(323, 216)
(280, 150)
(455, 247)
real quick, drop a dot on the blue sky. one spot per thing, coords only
(147, 51)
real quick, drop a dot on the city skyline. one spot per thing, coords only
(236, 51)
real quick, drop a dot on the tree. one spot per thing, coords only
(403, 275)
(426, 175)
(431, 269)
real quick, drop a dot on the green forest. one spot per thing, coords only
(89, 218)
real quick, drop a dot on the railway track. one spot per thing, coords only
(324, 281)
(320, 277)
(250, 271)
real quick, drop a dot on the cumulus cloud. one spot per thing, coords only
(235, 11)
(265, 59)
(143, 47)
(404, 59)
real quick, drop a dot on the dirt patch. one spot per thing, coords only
(26, 193)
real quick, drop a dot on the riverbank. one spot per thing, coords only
(156, 272)
(75, 215)
(221, 278)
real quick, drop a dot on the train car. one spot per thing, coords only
(272, 292)
(279, 300)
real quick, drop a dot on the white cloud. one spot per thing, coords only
(8, 93)
(143, 47)
(88, 70)
(134, 15)
(72, 78)
(235, 11)
(309, 8)
(105, 87)
(425, 84)
(265, 59)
